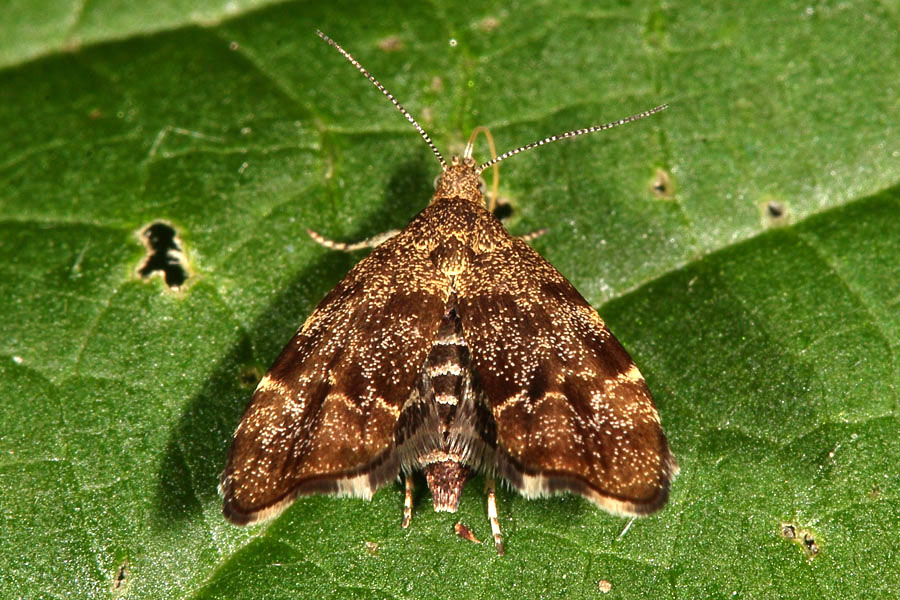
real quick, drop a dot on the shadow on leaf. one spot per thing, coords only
(195, 453)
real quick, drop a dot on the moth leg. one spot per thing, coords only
(345, 247)
(533, 235)
(490, 487)
(407, 501)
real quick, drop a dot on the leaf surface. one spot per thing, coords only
(742, 245)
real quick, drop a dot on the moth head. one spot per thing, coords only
(460, 179)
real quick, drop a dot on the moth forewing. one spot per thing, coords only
(323, 418)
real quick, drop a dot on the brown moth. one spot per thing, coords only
(452, 348)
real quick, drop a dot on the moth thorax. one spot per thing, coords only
(461, 179)
(445, 481)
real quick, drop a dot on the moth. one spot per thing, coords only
(452, 348)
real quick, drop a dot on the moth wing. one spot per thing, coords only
(572, 411)
(322, 419)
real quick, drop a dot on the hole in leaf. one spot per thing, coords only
(604, 586)
(164, 255)
(662, 184)
(774, 212)
(503, 210)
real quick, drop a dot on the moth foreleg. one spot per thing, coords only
(345, 247)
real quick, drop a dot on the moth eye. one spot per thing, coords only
(437, 180)
(482, 186)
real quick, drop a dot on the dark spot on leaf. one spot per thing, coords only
(774, 212)
(250, 376)
(810, 543)
(120, 579)
(391, 43)
(803, 537)
(662, 186)
(488, 24)
(164, 255)
(95, 114)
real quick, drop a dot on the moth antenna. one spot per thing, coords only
(571, 134)
(389, 95)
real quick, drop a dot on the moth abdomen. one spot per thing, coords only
(442, 418)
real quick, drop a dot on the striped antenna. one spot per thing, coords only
(571, 134)
(390, 96)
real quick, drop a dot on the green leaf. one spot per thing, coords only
(757, 289)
